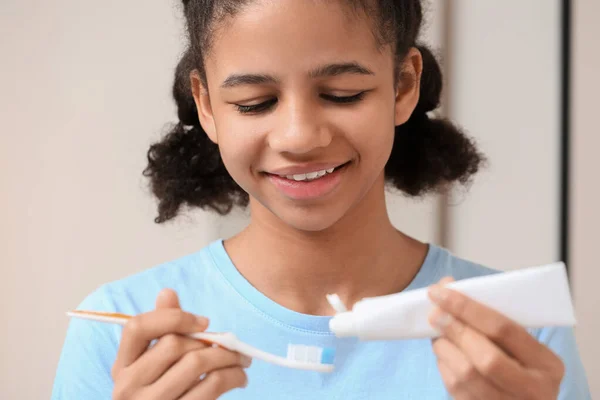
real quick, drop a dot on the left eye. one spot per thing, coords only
(345, 99)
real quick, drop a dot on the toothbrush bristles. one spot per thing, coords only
(310, 354)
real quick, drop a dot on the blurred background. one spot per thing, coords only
(85, 88)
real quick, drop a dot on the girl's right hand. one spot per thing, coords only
(171, 368)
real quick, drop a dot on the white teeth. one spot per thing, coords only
(310, 175)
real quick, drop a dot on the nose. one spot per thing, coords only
(300, 130)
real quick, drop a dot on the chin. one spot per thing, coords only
(310, 225)
(311, 219)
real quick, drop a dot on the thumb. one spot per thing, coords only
(167, 298)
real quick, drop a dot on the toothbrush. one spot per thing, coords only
(310, 358)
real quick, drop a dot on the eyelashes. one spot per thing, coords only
(266, 105)
(256, 108)
(346, 99)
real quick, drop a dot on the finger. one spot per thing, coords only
(167, 298)
(506, 333)
(217, 383)
(152, 364)
(464, 372)
(186, 372)
(489, 360)
(445, 280)
(142, 329)
(452, 384)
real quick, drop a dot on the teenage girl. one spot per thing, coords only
(303, 111)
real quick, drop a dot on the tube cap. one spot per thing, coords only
(343, 325)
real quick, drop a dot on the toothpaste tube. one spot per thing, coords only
(533, 297)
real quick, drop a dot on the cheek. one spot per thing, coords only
(371, 133)
(240, 146)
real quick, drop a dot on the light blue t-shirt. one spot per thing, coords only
(209, 284)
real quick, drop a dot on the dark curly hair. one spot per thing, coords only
(185, 167)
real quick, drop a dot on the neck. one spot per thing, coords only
(362, 255)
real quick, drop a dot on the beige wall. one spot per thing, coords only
(504, 88)
(585, 205)
(85, 87)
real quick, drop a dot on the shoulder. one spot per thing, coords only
(90, 348)
(443, 263)
(136, 293)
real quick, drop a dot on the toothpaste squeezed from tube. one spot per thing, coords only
(533, 297)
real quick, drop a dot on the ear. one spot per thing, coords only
(202, 100)
(409, 83)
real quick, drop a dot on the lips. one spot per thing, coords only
(308, 182)
(309, 176)
(300, 169)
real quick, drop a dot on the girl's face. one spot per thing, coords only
(297, 89)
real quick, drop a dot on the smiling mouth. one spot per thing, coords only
(311, 176)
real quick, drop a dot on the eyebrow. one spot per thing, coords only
(339, 69)
(323, 71)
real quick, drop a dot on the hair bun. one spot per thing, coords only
(431, 82)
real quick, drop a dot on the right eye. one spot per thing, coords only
(255, 108)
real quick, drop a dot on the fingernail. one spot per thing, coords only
(202, 321)
(438, 293)
(246, 361)
(442, 320)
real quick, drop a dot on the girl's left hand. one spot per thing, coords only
(482, 354)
